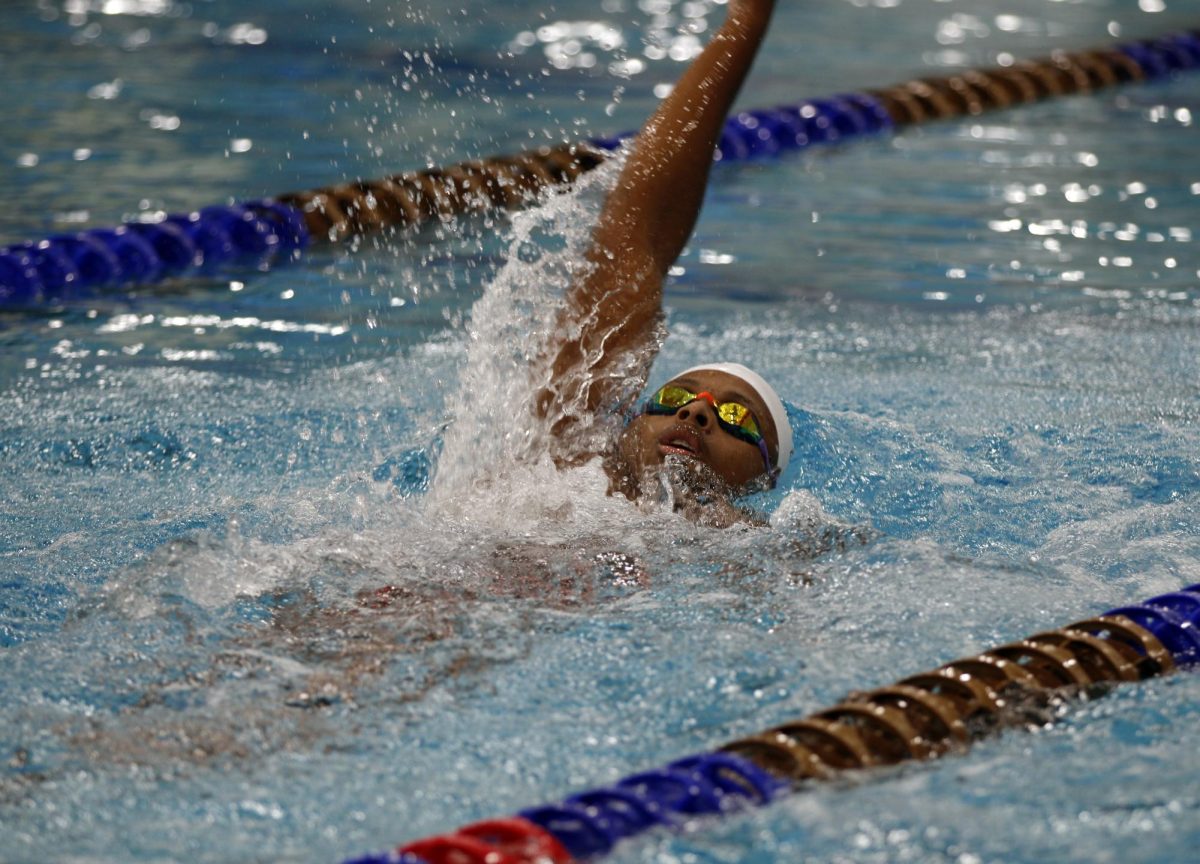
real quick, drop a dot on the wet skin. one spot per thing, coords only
(692, 433)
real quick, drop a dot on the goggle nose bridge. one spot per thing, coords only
(705, 396)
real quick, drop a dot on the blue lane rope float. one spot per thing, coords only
(267, 231)
(143, 252)
(922, 716)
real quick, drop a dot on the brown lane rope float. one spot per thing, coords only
(927, 714)
(336, 213)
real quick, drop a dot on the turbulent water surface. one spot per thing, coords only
(285, 576)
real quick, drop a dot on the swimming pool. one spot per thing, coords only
(987, 329)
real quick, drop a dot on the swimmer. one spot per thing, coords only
(718, 429)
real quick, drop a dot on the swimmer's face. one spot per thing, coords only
(693, 432)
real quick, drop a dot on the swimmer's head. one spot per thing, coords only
(721, 415)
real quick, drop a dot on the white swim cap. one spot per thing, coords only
(783, 428)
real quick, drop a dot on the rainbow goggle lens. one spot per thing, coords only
(734, 417)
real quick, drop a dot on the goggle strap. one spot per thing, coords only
(762, 448)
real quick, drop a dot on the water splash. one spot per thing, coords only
(495, 429)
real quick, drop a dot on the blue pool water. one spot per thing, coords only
(273, 588)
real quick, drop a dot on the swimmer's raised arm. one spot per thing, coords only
(653, 208)
(647, 218)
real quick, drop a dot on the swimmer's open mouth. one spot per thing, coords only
(683, 442)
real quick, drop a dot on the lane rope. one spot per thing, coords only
(271, 231)
(921, 717)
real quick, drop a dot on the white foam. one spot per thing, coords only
(495, 426)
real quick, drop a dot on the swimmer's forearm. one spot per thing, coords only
(672, 168)
(662, 185)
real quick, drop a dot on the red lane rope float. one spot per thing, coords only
(921, 717)
(495, 841)
(277, 230)
(498, 841)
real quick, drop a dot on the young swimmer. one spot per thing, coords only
(720, 428)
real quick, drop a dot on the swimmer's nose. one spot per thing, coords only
(699, 412)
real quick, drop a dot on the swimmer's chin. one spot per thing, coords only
(688, 486)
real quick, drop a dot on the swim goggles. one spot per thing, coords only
(734, 417)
